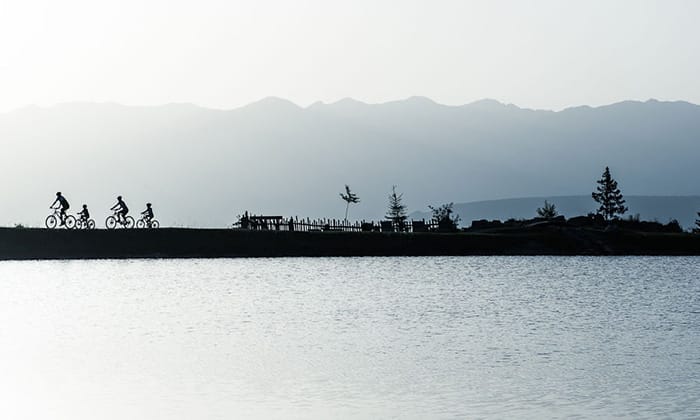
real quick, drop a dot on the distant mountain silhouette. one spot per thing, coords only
(202, 167)
(661, 209)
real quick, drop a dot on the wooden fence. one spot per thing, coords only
(331, 225)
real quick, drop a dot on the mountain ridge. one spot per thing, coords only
(201, 167)
(279, 101)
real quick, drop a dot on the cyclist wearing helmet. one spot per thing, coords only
(121, 209)
(61, 200)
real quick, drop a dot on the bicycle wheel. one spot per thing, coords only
(91, 224)
(155, 224)
(111, 222)
(140, 224)
(129, 222)
(70, 222)
(79, 224)
(51, 222)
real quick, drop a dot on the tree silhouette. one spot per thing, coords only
(397, 210)
(697, 223)
(443, 217)
(548, 211)
(609, 197)
(350, 198)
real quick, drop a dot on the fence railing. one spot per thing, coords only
(297, 224)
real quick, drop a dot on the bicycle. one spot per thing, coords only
(145, 223)
(53, 220)
(114, 220)
(81, 223)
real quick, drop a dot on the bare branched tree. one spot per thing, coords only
(350, 198)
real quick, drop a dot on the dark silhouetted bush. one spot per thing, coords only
(547, 211)
(443, 217)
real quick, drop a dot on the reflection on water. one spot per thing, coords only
(351, 338)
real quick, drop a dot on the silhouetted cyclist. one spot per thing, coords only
(121, 209)
(148, 213)
(84, 213)
(64, 206)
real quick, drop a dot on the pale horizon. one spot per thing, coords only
(224, 55)
(309, 105)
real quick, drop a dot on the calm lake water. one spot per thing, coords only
(365, 338)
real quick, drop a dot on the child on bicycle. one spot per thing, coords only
(148, 214)
(64, 206)
(84, 214)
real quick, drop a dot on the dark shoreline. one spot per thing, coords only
(32, 244)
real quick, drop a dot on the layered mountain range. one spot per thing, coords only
(202, 167)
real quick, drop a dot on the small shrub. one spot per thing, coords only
(443, 217)
(674, 226)
(634, 218)
(548, 211)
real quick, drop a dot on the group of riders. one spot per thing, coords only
(120, 209)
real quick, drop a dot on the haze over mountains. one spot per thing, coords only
(202, 167)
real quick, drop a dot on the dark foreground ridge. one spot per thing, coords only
(22, 244)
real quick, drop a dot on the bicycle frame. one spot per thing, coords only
(57, 212)
(119, 217)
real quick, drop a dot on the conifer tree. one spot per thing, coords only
(609, 197)
(548, 211)
(350, 198)
(397, 210)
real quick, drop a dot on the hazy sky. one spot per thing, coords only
(226, 53)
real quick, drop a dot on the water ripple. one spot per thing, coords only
(469, 337)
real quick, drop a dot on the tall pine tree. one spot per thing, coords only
(609, 197)
(397, 210)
